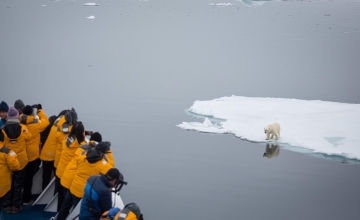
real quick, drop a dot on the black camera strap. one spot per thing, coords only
(89, 201)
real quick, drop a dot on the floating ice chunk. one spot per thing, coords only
(90, 4)
(43, 5)
(206, 126)
(221, 4)
(91, 17)
(253, 3)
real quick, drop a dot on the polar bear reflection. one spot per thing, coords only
(272, 150)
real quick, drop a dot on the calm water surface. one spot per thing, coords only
(132, 71)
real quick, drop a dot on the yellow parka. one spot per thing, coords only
(71, 168)
(8, 163)
(63, 131)
(70, 145)
(48, 151)
(70, 171)
(34, 126)
(125, 214)
(18, 145)
(88, 165)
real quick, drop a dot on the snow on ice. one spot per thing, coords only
(324, 127)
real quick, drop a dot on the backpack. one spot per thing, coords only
(130, 212)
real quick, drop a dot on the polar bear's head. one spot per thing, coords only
(267, 129)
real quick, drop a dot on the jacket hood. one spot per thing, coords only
(88, 146)
(93, 156)
(12, 130)
(28, 119)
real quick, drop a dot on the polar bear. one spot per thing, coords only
(272, 129)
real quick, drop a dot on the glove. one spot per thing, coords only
(39, 106)
(112, 212)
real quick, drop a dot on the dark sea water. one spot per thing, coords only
(132, 72)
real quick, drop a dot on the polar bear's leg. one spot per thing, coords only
(276, 136)
(267, 136)
(272, 135)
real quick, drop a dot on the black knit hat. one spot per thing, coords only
(96, 136)
(103, 147)
(19, 104)
(27, 110)
(4, 107)
(115, 174)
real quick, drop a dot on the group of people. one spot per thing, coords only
(84, 169)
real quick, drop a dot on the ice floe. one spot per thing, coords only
(90, 4)
(91, 17)
(329, 128)
(221, 4)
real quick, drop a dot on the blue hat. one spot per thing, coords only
(4, 107)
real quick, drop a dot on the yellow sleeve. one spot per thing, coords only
(105, 168)
(111, 158)
(26, 133)
(12, 161)
(43, 120)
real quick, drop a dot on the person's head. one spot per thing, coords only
(71, 116)
(96, 136)
(103, 147)
(27, 110)
(12, 113)
(4, 108)
(19, 105)
(79, 131)
(62, 112)
(114, 176)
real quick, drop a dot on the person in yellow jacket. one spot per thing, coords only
(35, 124)
(8, 163)
(15, 137)
(70, 144)
(88, 163)
(48, 151)
(62, 132)
(70, 170)
(92, 163)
